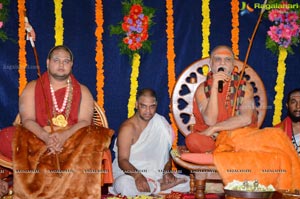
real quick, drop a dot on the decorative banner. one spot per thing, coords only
(59, 23)
(22, 46)
(205, 33)
(279, 88)
(235, 27)
(171, 63)
(99, 52)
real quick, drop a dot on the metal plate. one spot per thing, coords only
(247, 194)
(290, 195)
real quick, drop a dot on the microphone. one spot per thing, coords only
(220, 82)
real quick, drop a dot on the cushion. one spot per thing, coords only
(198, 158)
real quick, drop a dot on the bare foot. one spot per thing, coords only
(165, 186)
(3, 188)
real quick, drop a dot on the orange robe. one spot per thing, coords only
(266, 155)
(199, 143)
(286, 126)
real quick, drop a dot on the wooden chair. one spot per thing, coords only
(182, 109)
(99, 119)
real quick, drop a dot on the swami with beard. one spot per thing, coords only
(291, 124)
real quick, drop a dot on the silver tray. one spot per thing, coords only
(290, 195)
(248, 194)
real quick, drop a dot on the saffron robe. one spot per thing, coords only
(199, 143)
(266, 155)
(287, 126)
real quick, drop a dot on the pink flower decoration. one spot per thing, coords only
(1, 5)
(295, 29)
(286, 26)
(275, 15)
(286, 34)
(1, 24)
(292, 17)
(273, 33)
(285, 6)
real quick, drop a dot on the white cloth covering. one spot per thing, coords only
(148, 155)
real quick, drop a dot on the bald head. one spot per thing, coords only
(222, 49)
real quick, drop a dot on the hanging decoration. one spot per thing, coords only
(134, 83)
(279, 88)
(99, 58)
(171, 63)
(59, 23)
(205, 33)
(235, 27)
(22, 46)
(282, 35)
(134, 33)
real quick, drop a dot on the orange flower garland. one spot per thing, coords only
(99, 51)
(171, 63)
(22, 46)
(235, 27)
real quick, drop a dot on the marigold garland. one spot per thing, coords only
(99, 58)
(134, 83)
(205, 31)
(59, 27)
(171, 63)
(235, 27)
(22, 46)
(279, 88)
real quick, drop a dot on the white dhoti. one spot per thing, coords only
(148, 155)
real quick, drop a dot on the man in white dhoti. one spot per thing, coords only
(143, 165)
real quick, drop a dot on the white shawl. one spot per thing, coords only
(151, 151)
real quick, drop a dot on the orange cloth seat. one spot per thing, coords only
(266, 155)
(197, 143)
(198, 158)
